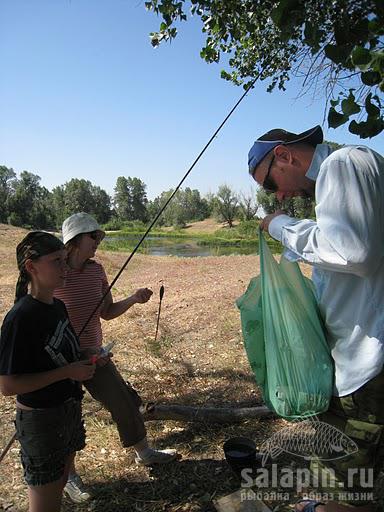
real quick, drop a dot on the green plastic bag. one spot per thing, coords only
(284, 339)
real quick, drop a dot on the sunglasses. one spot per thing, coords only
(268, 184)
(95, 235)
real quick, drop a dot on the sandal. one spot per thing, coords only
(311, 505)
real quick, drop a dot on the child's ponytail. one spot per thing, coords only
(21, 285)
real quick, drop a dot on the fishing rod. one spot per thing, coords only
(249, 86)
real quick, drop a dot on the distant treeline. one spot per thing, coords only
(25, 202)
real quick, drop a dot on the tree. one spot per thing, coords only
(79, 195)
(248, 205)
(7, 178)
(268, 202)
(139, 199)
(186, 206)
(130, 199)
(226, 204)
(57, 200)
(336, 45)
(29, 203)
(174, 215)
(102, 204)
(299, 207)
(196, 207)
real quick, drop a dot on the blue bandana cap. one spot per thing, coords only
(273, 138)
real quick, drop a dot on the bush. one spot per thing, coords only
(249, 228)
(116, 224)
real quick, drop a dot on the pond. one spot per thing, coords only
(181, 247)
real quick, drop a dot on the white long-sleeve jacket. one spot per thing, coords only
(345, 245)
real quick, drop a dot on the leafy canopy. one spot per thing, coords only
(336, 46)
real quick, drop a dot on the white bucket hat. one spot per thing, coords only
(80, 223)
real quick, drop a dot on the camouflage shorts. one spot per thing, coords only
(357, 478)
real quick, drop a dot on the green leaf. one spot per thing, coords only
(281, 14)
(334, 103)
(335, 119)
(377, 62)
(372, 110)
(370, 78)
(376, 27)
(361, 57)
(349, 106)
(337, 54)
(366, 129)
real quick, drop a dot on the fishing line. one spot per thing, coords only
(166, 204)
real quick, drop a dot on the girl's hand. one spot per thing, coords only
(103, 360)
(142, 295)
(81, 370)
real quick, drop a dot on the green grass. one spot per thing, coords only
(221, 238)
(244, 235)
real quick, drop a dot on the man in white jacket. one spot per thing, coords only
(345, 246)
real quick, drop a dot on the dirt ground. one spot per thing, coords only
(198, 359)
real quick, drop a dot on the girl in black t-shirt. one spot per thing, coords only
(39, 362)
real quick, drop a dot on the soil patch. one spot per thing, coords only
(198, 359)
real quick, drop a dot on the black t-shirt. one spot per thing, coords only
(36, 337)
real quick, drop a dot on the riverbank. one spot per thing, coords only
(198, 359)
(215, 238)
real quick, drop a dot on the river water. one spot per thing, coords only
(181, 247)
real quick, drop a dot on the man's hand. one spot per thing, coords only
(142, 295)
(267, 220)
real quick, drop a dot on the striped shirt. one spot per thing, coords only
(81, 292)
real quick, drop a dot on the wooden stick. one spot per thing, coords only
(158, 314)
(8, 446)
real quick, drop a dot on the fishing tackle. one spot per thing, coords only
(158, 313)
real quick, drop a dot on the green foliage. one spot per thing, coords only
(249, 228)
(28, 202)
(227, 205)
(299, 207)
(7, 180)
(79, 195)
(334, 145)
(186, 206)
(114, 224)
(327, 41)
(130, 199)
(24, 202)
(248, 205)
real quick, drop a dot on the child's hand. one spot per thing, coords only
(104, 359)
(142, 295)
(81, 370)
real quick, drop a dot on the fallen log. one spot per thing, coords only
(204, 414)
(153, 412)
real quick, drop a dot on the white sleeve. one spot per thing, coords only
(348, 234)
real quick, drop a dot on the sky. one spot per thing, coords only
(84, 95)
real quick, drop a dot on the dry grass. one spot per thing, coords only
(206, 226)
(199, 359)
